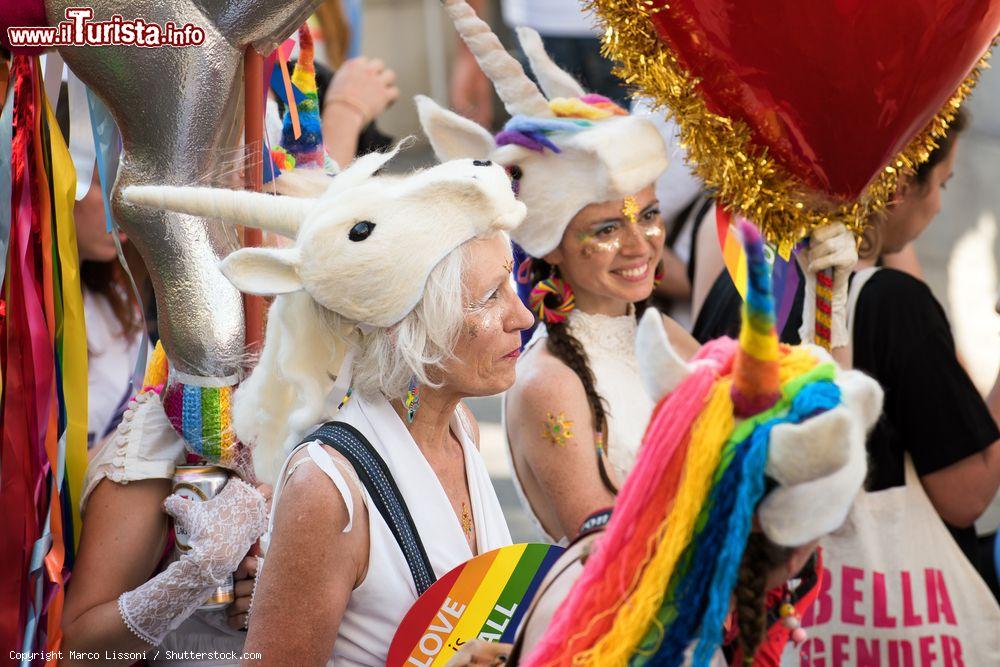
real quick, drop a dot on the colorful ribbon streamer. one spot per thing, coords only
(43, 351)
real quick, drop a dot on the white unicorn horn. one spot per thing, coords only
(518, 93)
(282, 215)
(555, 81)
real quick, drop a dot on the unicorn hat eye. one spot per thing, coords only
(361, 231)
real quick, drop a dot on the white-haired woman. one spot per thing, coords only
(401, 288)
(585, 169)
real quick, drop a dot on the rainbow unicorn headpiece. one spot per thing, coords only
(306, 151)
(748, 427)
(564, 149)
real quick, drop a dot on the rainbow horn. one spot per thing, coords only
(756, 384)
(307, 150)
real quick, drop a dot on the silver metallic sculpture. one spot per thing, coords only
(180, 111)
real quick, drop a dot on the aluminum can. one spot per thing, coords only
(201, 483)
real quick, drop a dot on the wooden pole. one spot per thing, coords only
(253, 134)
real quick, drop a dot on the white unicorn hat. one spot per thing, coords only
(365, 247)
(564, 149)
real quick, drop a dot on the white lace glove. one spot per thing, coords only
(221, 532)
(830, 246)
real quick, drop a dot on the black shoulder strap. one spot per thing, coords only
(374, 474)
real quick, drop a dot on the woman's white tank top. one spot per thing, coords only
(378, 605)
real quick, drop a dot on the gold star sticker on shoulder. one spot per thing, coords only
(557, 429)
(630, 209)
(509, 265)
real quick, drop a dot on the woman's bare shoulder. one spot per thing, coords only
(541, 374)
(545, 384)
(308, 488)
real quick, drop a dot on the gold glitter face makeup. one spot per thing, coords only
(509, 266)
(590, 244)
(557, 429)
(630, 209)
(652, 232)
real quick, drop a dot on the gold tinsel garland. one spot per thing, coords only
(744, 176)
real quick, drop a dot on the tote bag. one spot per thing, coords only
(896, 590)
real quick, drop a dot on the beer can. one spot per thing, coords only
(201, 483)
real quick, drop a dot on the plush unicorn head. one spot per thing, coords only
(564, 149)
(365, 247)
(748, 427)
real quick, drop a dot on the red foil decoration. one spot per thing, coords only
(834, 89)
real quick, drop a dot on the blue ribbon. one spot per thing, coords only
(105, 134)
(107, 148)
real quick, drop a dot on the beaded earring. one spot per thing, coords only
(790, 617)
(412, 402)
(658, 274)
(552, 300)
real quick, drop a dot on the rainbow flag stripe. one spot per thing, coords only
(784, 277)
(484, 598)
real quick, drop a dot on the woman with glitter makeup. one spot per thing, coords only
(585, 169)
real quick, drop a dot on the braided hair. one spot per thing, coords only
(760, 557)
(565, 347)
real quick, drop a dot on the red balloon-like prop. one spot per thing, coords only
(833, 89)
(801, 113)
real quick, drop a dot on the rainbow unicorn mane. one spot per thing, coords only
(571, 114)
(660, 578)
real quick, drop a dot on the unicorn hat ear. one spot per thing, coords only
(820, 465)
(554, 81)
(519, 94)
(660, 366)
(263, 271)
(452, 137)
(362, 169)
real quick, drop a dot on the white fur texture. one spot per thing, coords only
(290, 389)
(378, 280)
(615, 158)
(795, 514)
(375, 280)
(554, 81)
(661, 368)
(394, 295)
